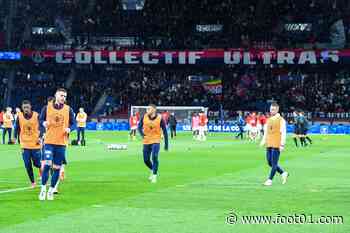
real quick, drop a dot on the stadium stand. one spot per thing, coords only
(108, 90)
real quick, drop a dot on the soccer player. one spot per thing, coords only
(274, 138)
(165, 116)
(253, 127)
(304, 124)
(133, 122)
(195, 126)
(150, 128)
(240, 123)
(27, 129)
(137, 114)
(81, 122)
(58, 119)
(18, 111)
(7, 125)
(261, 123)
(203, 121)
(172, 123)
(51, 99)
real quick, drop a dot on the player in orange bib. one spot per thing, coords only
(51, 99)
(58, 119)
(151, 127)
(274, 139)
(7, 125)
(27, 130)
(81, 123)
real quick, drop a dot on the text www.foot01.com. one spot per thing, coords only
(234, 218)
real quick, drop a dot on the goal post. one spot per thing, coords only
(183, 114)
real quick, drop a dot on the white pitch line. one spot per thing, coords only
(15, 190)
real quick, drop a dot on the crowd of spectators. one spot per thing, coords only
(244, 22)
(172, 24)
(162, 86)
(89, 86)
(37, 84)
(138, 86)
(314, 89)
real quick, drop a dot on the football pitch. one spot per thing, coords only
(203, 187)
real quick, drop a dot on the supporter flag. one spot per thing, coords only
(210, 84)
(213, 86)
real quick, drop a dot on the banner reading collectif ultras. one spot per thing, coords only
(215, 57)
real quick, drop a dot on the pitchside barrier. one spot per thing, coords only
(230, 128)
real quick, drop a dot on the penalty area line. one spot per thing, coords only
(14, 190)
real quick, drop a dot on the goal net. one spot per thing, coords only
(183, 114)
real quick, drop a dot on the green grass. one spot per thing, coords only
(199, 184)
